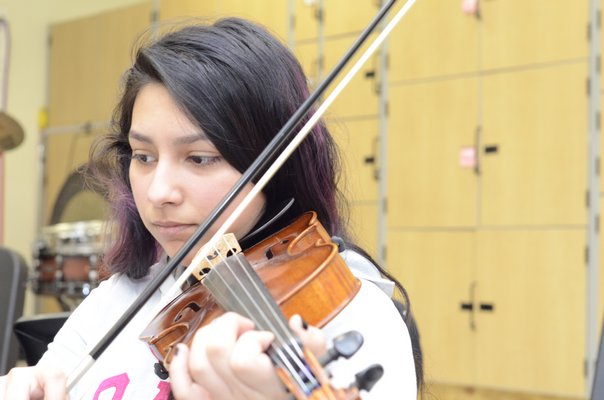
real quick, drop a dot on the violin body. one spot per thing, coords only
(301, 268)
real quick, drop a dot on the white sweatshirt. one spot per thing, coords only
(126, 368)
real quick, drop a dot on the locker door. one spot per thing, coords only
(437, 269)
(306, 23)
(534, 168)
(435, 39)
(360, 97)
(271, 14)
(533, 337)
(532, 32)
(431, 125)
(342, 19)
(358, 143)
(83, 85)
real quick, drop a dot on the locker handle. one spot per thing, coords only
(491, 149)
(371, 159)
(487, 307)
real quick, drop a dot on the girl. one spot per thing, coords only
(198, 106)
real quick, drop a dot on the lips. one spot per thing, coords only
(171, 228)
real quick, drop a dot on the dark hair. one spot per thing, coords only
(240, 85)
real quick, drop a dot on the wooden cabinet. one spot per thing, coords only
(493, 256)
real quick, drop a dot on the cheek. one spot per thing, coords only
(135, 186)
(211, 193)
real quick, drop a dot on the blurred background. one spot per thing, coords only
(471, 155)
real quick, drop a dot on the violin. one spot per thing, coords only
(301, 269)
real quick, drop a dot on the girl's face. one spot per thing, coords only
(177, 175)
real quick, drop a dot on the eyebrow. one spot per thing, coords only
(182, 140)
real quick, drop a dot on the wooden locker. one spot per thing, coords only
(342, 19)
(360, 97)
(87, 59)
(529, 32)
(434, 39)
(308, 56)
(306, 25)
(358, 142)
(430, 125)
(535, 123)
(271, 14)
(533, 339)
(363, 225)
(73, 72)
(437, 268)
(358, 145)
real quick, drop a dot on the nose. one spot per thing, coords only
(164, 188)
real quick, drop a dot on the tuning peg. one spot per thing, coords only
(344, 345)
(368, 377)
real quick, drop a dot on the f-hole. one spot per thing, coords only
(269, 253)
(192, 306)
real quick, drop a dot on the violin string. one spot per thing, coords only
(282, 333)
(278, 357)
(272, 321)
(287, 339)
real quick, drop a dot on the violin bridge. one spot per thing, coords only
(225, 247)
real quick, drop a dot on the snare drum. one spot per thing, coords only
(66, 258)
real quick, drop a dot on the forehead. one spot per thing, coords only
(155, 114)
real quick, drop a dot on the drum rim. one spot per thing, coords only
(76, 226)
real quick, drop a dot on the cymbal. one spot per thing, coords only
(11, 133)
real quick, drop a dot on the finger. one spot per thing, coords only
(249, 352)
(52, 382)
(182, 385)
(21, 384)
(211, 349)
(311, 336)
(253, 367)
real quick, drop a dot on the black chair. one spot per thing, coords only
(597, 388)
(35, 333)
(13, 279)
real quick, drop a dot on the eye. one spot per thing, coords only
(204, 160)
(143, 158)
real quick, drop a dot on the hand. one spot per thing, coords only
(227, 360)
(32, 383)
